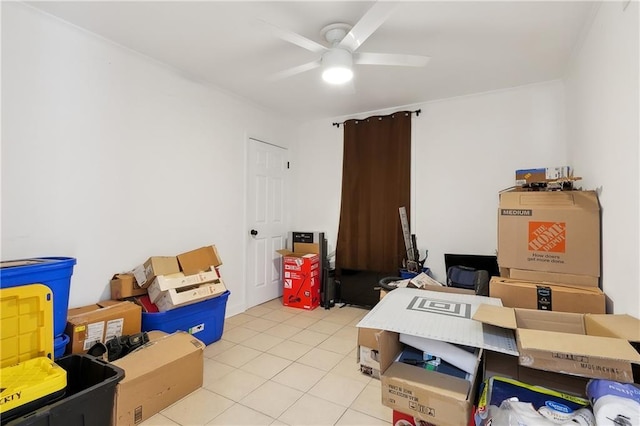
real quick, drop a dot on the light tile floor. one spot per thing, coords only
(282, 366)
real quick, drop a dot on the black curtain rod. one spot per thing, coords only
(416, 112)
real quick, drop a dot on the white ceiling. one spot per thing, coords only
(474, 46)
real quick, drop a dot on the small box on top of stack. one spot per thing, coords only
(549, 246)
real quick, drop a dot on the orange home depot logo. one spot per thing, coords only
(547, 236)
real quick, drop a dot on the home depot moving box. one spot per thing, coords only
(157, 375)
(100, 322)
(301, 279)
(555, 231)
(587, 345)
(547, 297)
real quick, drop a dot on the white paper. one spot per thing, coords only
(451, 353)
(439, 316)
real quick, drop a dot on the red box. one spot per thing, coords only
(300, 279)
(402, 419)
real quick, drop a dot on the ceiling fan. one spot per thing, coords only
(338, 58)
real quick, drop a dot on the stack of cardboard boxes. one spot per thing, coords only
(556, 350)
(543, 324)
(175, 281)
(549, 251)
(171, 365)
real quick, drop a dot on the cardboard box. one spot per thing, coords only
(550, 277)
(368, 352)
(301, 279)
(178, 280)
(587, 345)
(426, 395)
(429, 395)
(548, 174)
(156, 376)
(199, 260)
(497, 364)
(550, 231)
(124, 285)
(100, 322)
(547, 297)
(178, 297)
(154, 266)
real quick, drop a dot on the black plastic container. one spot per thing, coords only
(89, 397)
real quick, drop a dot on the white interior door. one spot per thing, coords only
(266, 230)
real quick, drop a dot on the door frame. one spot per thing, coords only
(286, 216)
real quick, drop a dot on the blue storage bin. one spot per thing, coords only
(408, 274)
(59, 345)
(54, 272)
(205, 320)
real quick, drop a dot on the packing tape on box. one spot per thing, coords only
(451, 353)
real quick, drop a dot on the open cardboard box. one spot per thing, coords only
(588, 345)
(163, 283)
(179, 297)
(427, 395)
(198, 260)
(446, 316)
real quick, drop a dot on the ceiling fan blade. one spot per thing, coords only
(295, 38)
(365, 58)
(295, 70)
(372, 19)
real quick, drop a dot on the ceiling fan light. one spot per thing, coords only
(337, 66)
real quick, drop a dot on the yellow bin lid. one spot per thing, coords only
(26, 323)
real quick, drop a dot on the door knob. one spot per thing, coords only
(254, 232)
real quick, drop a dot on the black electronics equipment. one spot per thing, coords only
(117, 347)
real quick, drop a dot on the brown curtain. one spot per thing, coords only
(376, 177)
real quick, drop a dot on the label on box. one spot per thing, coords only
(370, 362)
(544, 298)
(114, 329)
(95, 331)
(140, 275)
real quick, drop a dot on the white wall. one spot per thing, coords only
(110, 157)
(465, 150)
(602, 95)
